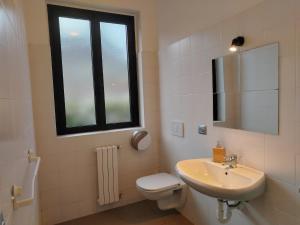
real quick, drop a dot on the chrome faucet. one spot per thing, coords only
(231, 161)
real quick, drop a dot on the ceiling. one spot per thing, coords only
(178, 18)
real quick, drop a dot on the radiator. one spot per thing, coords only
(108, 185)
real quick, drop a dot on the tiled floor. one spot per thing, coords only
(142, 213)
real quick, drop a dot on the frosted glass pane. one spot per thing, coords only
(77, 72)
(115, 72)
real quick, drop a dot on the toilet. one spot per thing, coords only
(168, 190)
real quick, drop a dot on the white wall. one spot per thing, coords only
(68, 177)
(186, 95)
(16, 122)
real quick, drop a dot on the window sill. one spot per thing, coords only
(105, 132)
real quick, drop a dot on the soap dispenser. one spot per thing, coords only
(219, 153)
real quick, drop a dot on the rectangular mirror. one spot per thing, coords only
(246, 90)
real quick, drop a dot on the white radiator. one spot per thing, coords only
(107, 158)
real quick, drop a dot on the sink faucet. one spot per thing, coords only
(231, 161)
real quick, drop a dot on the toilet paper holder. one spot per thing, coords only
(141, 140)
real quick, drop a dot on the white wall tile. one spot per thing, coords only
(69, 169)
(6, 120)
(279, 163)
(16, 124)
(5, 72)
(297, 103)
(277, 155)
(48, 179)
(50, 198)
(87, 208)
(286, 36)
(51, 216)
(297, 47)
(298, 170)
(252, 150)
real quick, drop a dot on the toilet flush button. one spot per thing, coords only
(177, 128)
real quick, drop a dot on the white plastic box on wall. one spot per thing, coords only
(177, 128)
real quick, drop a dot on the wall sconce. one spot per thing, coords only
(237, 42)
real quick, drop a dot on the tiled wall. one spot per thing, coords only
(68, 178)
(16, 123)
(186, 95)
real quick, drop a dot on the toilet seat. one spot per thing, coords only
(167, 190)
(158, 182)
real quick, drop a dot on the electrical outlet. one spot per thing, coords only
(177, 128)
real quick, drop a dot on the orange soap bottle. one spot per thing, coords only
(219, 153)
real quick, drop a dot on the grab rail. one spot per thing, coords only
(24, 195)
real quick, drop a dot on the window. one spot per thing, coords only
(94, 70)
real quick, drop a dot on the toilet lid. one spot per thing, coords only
(158, 182)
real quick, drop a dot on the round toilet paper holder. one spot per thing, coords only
(140, 140)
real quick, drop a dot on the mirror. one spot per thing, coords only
(246, 90)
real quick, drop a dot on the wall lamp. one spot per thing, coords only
(237, 42)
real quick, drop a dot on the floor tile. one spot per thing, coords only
(141, 213)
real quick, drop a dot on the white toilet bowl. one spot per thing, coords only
(168, 190)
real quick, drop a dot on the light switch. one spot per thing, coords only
(177, 128)
(202, 129)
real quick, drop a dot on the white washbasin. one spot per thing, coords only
(214, 179)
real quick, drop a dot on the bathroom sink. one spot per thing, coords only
(216, 180)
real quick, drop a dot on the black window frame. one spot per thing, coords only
(95, 17)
